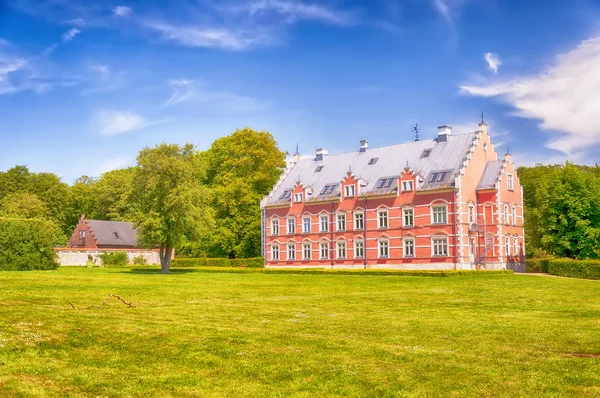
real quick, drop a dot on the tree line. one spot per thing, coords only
(206, 203)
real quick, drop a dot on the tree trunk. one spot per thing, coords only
(165, 253)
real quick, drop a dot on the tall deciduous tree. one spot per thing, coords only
(23, 205)
(241, 169)
(169, 199)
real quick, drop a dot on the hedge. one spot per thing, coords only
(584, 269)
(322, 271)
(257, 262)
(27, 244)
(537, 264)
(114, 259)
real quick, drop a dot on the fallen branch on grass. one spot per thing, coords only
(130, 305)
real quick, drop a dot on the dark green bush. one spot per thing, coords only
(140, 260)
(28, 244)
(114, 259)
(257, 262)
(537, 264)
(584, 269)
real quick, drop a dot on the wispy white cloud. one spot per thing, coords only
(294, 10)
(216, 37)
(564, 97)
(183, 90)
(493, 61)
(76, 22)
(443, 8)
(70, 34)
(114, 122)
(121, 11)
(103, 79)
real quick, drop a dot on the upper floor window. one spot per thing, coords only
(514, 215)
(409, 247)
(426, 153)
(306, 225)
(385, 183)
(471, 213)
(408, 217)
(291, 251)
(359, 249)
(274, 252)
(324, 250)
(323, 223)
(439, 214)
(306, 252)
(382, 219)
(510, 182)
(82, 234)
(515, 245)
(291, 225)
(373, 161)
(383, 248)
(440, 246)
(297, 197)
(507, 245)
(439, 176)
(407, 186)
(287, 194)
(328, 189)
(349, 190)
(359, 221)
(341, 222)
(274, 227)
(506, 214)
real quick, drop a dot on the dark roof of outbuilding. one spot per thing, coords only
(114, 233)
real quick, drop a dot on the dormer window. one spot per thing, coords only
(385, 183)
(407, 186)
(318, 169)
(287, 194)
(116, 235)
(373, 161)
(426, 153)
(434, 177)
(438, 176)
(298, 198)
(328, 189)
(349, 190)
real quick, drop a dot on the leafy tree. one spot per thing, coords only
(241, 169)
(111, 194)
(169, 199)
(16, 179)
(22, 205)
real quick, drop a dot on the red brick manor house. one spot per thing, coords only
(443, 203)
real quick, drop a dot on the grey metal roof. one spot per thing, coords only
(445, 156)
(105, 232)
(491, 174)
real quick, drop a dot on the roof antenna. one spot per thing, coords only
(350, 168)
(482, 117)
(507, 150)
(297, 150)
(416, 131)
(407, 164)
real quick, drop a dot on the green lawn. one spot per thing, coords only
(221, 334)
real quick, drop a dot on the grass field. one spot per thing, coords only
(252, 334)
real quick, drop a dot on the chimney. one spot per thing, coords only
(321, 153)
(364, 145)
(444, 132)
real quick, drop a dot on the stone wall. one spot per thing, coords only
(79, 257)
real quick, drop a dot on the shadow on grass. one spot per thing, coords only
(147, 271)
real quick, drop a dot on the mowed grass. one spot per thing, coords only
(219, 334)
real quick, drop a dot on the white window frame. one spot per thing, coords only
(291, 249)
(436, 214)
(324, 248)
(306, 254)
(275, 249)
(349, 190)
(306, 230)
(275, 226)
(298, 198)
(406, 246)
(510, 182)
(383, 248)
(383, 215)
(437, 243)
(325, 218)
(359, 248)
(514, 215)
(407, 186)
(341, 250)
(471, 213)
(507, 245)
(340, 222)
(515, 246)
(362, 220)
(412, 217)
(506, 219)
(291, 221)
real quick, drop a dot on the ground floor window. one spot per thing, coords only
(306, 255)
(507, 245)
(291, 251)
(409, 247)
(274, 252)
(384, 248)
(359, 249)
(341, 250)
(515, 246)
(440, 246)
(324, 249)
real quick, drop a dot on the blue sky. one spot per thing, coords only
(84, 85)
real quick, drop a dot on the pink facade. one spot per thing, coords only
(403, 219)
